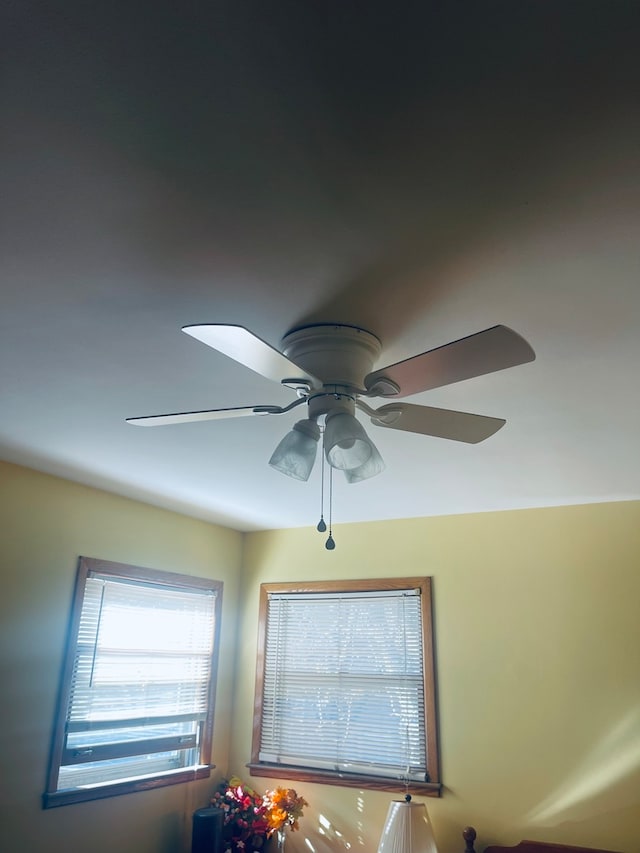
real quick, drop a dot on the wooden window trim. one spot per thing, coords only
(87, 565)
(433, 788)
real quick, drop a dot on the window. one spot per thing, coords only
(345, 690)
(137, 694)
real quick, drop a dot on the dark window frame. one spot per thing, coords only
(88, 566)
(433, 787)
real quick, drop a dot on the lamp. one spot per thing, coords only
(407, 829)
(346, 444)
(346, 447)
(374, 465)
(296, 453)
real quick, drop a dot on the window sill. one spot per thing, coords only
(345, 780)
(53, 799)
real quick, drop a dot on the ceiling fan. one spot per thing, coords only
(329, 368)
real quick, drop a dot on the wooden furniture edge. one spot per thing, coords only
(469, 835)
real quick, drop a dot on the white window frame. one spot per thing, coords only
(152, 733)
(284, 683)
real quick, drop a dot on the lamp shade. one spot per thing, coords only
(296, 453)
(374, 465)
(407, 829)
(346, 444)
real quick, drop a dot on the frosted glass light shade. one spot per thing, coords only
(346, 444)
(296, 453)
(407, 829)
(374, 465)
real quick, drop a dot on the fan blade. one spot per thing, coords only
(211, 415)
(441, 423)
(485, 352)
(243, 346)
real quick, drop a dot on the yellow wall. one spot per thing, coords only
(537, 622)
(537, 645)
(46, 523)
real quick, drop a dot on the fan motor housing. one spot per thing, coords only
(338, 355)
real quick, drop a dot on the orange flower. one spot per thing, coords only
(283, 808)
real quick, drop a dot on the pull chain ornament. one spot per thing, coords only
(330, 544)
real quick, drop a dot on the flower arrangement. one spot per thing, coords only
(283, 808)
(250, 819)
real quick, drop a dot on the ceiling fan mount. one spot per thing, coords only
(338, 355)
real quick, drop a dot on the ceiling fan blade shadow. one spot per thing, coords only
(440, 423)
(243, 346)
(476, 355)
(383, 294)
(210, 415)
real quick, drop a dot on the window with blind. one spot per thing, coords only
(136, 703)
(345, 687)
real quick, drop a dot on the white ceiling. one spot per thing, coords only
(423, 171)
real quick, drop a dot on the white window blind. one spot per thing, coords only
(140, 687)
(344, 683)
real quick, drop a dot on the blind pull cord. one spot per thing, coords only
(97, 637)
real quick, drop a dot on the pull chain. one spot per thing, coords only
(321, 527)
(330, 544)
(407, 795)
